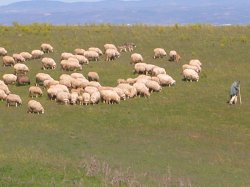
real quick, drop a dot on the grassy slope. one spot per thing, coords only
(188, 129)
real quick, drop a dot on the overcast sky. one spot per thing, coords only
(5, 2)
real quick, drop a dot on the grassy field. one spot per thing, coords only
(187, 135)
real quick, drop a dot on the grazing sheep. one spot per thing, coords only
(35, 107)
(158, 70)
(41, 77)
(79, 51)
(140, 68)
(9, 78)
(120, 92)
(191, 75)
(166, 80)
(82, 59)
(47, 48)
(129, 91)
(66, 56)
(93, 76)
(35, 91)
(3, 51)
(95, 84)
(149, 68)
(48, 63)
(3, 95)
(135, 58)
(22, 80)
(21, 68)
(153, 86)
(86, 98)
(122, 48)
(159, 53)
(95, 97)
(26, 55)
(99, 51)
(77, 75)
(131, 81)
(109, 46)
(37, 54)
(91, 55)
(66, 82)
(90, 89)
(195, 62)
(64, 76)
(71, 65)
(13, 99)
(5, 88)
(63, 97)
(73, 98)
(110, 97)
(130, 46)
(78, 83)
(55, 89)
(193, 67)
(8, 61)
(111, 54)
(141, 89)
(49, 83)
(18, 58)
(174, 56)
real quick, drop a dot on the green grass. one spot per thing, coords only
(188, 130)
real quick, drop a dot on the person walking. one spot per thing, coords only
(234, 91)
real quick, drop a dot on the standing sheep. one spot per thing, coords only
(99, 51)
(13, 99)
(9, 78)
(37, 54)
(22, 80)
(35, 91)
(109, 46)
(191, 75)
(159, 53)
(3, 95)
(93, 76)
(48, 63)
(18, 58)
(63, 97)
(41, 77)
(135, 58)
(79, 51)
(21, 68)
(140, 68)
(174, 56)
(141, 89)
(8, 61)
(35, 107)
(111, 54)
(91, 55)
(26, 55)
(153, 86)
(3, 51)
(47, 48)
(166, 80)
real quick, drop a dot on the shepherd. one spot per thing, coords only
(234, 92)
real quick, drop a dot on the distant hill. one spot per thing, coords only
(127, 12)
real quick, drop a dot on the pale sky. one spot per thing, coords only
(5, 2)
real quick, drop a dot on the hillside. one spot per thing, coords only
(184, 135)
(127, 12)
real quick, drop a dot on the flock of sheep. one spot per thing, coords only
(77, 89)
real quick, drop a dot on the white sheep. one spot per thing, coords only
(47, 48)
(94, 83)
(48, 63)
(153, 86)
(110, 97)
(159, 53)
(5, 88)
(41, 77)
(71, 65)
(66, 56)
(77, 75)
(73, 98)
(158, 70)
(13, 99)
(166, 80)
(3, 95)
(195, 62)
(90, 89)
(35, 107)
(91, 55)
(93, 76)
(193, 67)
(141, 89)
(18, 58)
(135, 58)
(140, 68)
(21, 68)
(63, 97)
(64, 76)
(8, 61)
(49, 83)
(9, 78)
(191, 75)
(111, 54)
(81, 59)
(174, 56)
(86, 98)
(120, 92)
(37, 54)
(109, 46)
(35, 91)
(26, 55)
(3, 51)
(95, 97)
(99, 51)
(129, 91)
(79, 51)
